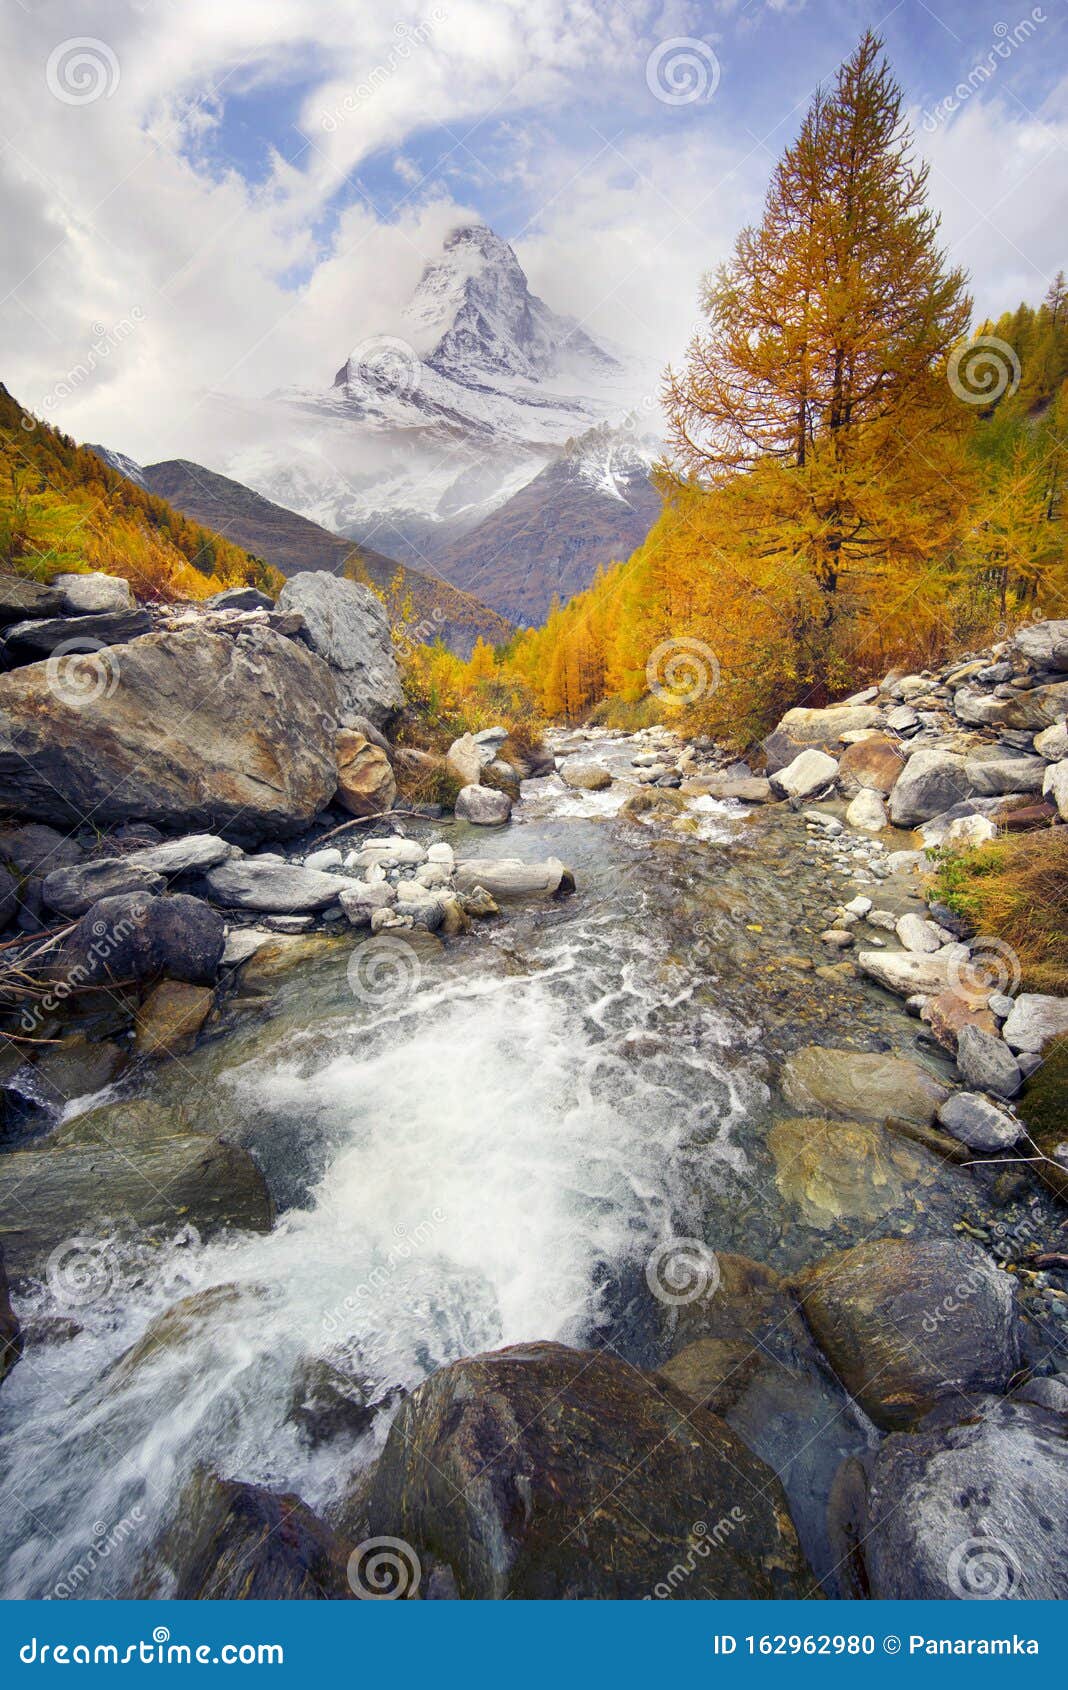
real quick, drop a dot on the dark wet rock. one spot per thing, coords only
(906, 1322)
(10, 1334)
(540, 1472)
(241, 598)
(329, 1402)
(52, 1198)
(186, 730)
(756, 1365)
(72, 891)
(76, 1067)
(860, 1085)
(38, 849)
(133, 937)
(30, 642)
(9, 897)
(971, 1505)
(844, 1176)
(21, 599)
(232, 1542)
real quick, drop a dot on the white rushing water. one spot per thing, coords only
(497, 1141)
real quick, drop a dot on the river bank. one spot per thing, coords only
(658, 1130)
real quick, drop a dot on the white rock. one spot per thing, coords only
(509, 877)
(95, 592)
(328, 858)
(918, 935)
(441, 852)
(1035, 1019)
(858, 906)
(483, 805)
(970, 830)
(867, 811)
(241, 943)
(809, 773)
(1052, 743)
(1055, 786)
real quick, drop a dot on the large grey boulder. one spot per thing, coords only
(1055, 786)
(1035, 1019)
(930, 782)
(905, 1322)
(1040, 707)
(86, 595)
(585, 777)
(809, 772)
(1052, 743)
(71, 891)
(509, 877)
(971, 1506)
(545, 1472)
(986, 1063)
(995, 777)
(909, 972)
(1045, 644)
(183, 856)
(347, 626)
(185, 730)
(21, 599)
(979, 1122)
(483, 805)
(280, 888)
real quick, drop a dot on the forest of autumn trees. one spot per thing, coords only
(854, 480)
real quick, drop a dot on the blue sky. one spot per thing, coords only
(262, 181)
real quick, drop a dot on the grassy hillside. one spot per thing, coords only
(62, 509)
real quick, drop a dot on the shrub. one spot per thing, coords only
(1016, 889)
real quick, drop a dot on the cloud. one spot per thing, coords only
(257, 185)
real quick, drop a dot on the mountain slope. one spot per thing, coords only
(63, 508)
(292, 544)
(591, 507)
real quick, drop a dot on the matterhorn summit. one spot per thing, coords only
(426, 431)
